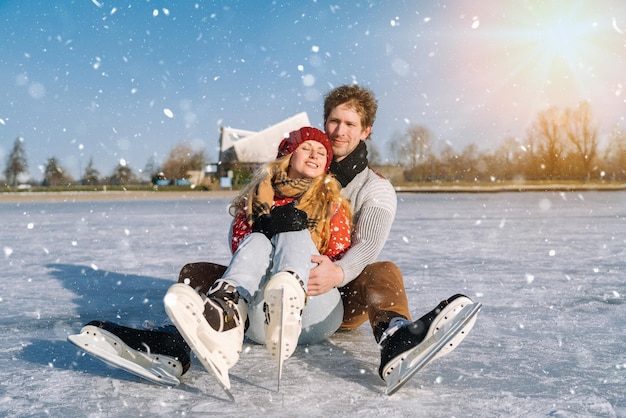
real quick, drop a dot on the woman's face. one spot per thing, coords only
(308, 160)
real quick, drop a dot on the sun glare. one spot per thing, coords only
(553, 51)
(563, 39)
(527, 56)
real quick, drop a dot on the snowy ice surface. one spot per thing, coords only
(550, 269)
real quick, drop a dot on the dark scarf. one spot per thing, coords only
(346, 169)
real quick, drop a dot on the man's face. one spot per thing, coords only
(345, 131)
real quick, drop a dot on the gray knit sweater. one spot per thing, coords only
(374, 205)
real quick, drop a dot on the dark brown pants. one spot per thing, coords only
(377, 294)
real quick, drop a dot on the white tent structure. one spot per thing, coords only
(238, 145)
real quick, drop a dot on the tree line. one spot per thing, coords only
(181, 159)
(560, 144)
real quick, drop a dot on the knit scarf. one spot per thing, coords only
(261, 198)
(346, 169)
(278, 184)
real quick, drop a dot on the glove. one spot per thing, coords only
(284, 218)
(263, 224)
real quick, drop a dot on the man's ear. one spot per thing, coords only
(366, 132)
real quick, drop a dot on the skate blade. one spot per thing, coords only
(278, 309)
(107, 347)
(428, 350)
(279, 295)
(185, 308)
(444, 317)
(449, 314)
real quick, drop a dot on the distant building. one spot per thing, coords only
(248, 150)
(243, 151)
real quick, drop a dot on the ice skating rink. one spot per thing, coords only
(549, 268)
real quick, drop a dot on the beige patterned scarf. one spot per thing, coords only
(261, 198)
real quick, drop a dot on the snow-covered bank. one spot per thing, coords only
(548, 267)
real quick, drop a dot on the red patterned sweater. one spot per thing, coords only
(339, 238)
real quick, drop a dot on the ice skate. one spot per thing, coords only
(284, 301)
(407, 347)
(159, 355)
(213, 325)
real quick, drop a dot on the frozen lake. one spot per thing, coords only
(549, 268)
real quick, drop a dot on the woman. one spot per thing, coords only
(291, 210)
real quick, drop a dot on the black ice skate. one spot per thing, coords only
(408, 347)
(160, 355)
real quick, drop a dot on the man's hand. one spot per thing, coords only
(323, 277)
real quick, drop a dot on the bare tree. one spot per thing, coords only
(547, 133)
(448, 164)
(506, 160)
(417, 145)
(412, 150)
(614, 160)
(181, 159)
(468, 162)
(395, 148)
(583, 135)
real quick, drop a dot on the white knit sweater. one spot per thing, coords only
(374, 205)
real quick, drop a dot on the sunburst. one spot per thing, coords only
(539, 54)
(553, 50)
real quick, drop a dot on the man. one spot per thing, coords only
(369, 290)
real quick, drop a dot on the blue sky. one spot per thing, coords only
(127, 80)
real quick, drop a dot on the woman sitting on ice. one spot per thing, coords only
(291, 210)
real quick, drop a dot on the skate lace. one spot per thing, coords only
(223, 298)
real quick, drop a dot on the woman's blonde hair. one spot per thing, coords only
(321, 200)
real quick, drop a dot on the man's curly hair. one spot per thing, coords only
(361, 99)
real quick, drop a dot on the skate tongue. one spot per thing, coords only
(394, 325)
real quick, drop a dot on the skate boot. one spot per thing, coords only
(159, 355)
(213, 325)
(404, 338)
(284, 301)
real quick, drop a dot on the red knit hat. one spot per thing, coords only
(295, 138)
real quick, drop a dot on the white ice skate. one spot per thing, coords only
(217, 350)
(284, 301)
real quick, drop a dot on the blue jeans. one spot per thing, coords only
(257, 259)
